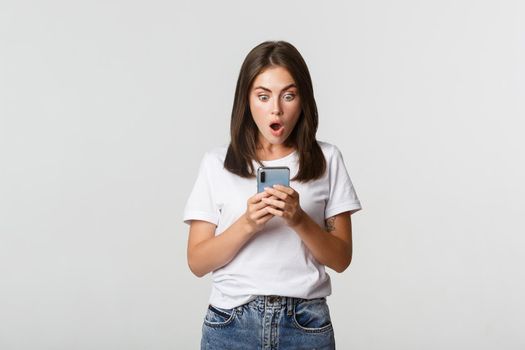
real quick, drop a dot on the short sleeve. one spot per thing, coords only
(342, 195)
(201, 204)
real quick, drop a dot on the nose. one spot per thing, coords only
(277, 107)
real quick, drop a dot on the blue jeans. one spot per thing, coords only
(269, 322)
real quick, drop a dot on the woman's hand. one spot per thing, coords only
(284, 202)
(257, 213)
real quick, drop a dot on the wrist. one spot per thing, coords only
(245, 226)
(300, 218)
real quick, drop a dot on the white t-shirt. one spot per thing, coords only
(275, 261)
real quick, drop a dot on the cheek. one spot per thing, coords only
(260, 108)
(294, 112)
(293, 107)
(255, 107)
(258, 113)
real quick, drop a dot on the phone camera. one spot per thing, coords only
(263, 176)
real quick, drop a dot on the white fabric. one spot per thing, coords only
(275, 261)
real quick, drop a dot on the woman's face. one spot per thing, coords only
(275, 104)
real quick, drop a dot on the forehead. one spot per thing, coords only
(273, 78)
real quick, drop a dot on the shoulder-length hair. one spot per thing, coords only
(243, 130)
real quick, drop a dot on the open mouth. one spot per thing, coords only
(275, 126)
(277, 129)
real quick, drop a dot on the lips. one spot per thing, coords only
(276, 128)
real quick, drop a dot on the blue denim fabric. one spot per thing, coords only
(269, 322)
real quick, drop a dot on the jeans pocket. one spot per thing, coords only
(218, 317)
(312, 315)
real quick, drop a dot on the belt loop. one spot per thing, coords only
(290, 305)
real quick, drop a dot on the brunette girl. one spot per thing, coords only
(267, 251)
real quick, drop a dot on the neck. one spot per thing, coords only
(268, 151)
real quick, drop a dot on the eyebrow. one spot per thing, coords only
(286, 87)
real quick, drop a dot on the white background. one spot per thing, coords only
(106, 108)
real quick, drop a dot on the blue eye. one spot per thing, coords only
(261, 97)
(292, 97)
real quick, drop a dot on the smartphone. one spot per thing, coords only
(267, 176)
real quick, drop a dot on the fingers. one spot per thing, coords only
(282, 192)
(257, 211)
(264, 219)
(275, 212)
(257, 197)
(258, 206)
(274, 202)
(276, 193)
(285, 189)
(261, 204)
(269, 203)
(260, 217)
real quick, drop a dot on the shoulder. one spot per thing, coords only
(215, 157)
(217, 153)
(329, 150)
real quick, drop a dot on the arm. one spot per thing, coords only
(332, 247)
(207, 252)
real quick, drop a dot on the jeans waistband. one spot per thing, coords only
(275, 301)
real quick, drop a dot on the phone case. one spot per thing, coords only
(269, 176)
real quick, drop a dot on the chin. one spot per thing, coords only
(278, 141)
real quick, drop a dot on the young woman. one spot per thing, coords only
(268, 251)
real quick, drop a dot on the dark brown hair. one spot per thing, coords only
(243, 129)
